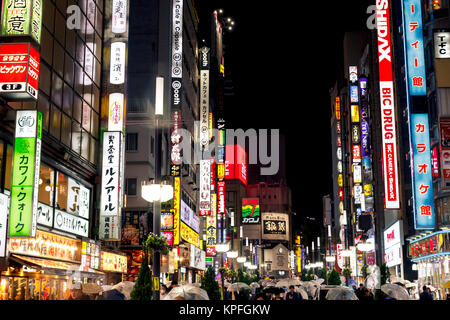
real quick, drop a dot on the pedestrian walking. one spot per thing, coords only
(367, 295)
(360, 291)
(426, 295)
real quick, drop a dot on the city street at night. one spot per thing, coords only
(226, 154)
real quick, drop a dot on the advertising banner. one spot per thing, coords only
(109, 228)
(19, 71)
(176, 206)
(113, 262)
(116, 112)
(25, 174)
(250, 211)
(354, 98)
(71, 224)
(112, 142)
(220, 198)
(204, 97)
(393, 240)
(168, 235)
(211, 230)
(412, 10)
(423, 181)
(4, 211)
(355, 113)
(387, 107)
(205, 185)
(188, 234)
(44, 215)
(275, 226)
(198, 258)
(167, 220)
(22, 18)
(119, 16)
(117, 64)
(177, 39)
(175, 151)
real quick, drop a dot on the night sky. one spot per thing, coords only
(283, 57)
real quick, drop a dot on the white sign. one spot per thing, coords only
(26, 124)
(357, 191)
(204, 108)
(340, 258)
(177, 39)
(117, 65)
(393, 235)
(115, 112)
(77, 199)
(111, 174)
(189, 217)
(393, 255)
(119, 16)
(70, 223)
(441, 45)
(4, 212)
(198, 258)
(357, 174)
(205, 185)
(44, 215)
(353, 73)
(89, 65)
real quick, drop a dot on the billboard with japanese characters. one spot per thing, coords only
(412, 10)
(422, 181)
(19, 71)
(25, 174)
(275, 226)
(176, 211)
(22, 18)
(119, 16)
(211, 230)
(250, 211)
(205, 187)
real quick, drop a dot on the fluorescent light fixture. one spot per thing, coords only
(222, 247)
(346, 253)
(330, 258)
(232, 254)
(159, 96)
(246, 264)
(241, 259)
(156, 192)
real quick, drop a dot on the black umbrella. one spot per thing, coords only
(113, 294)
(273, 290)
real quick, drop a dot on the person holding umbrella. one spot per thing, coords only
(292, 295)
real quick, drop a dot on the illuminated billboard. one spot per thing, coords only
(387, 107)
(275, 226)
(250, 211)
(423, 180)
(19, 71)
(22, 18)
(236, 163)
(412, 10)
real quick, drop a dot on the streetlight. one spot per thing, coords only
(232, 254)
(157, 191)
(241, 259)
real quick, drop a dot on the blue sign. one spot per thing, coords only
(422, 180)
(354, 94)
(414, 47)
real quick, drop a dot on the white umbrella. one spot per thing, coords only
(106, 287)
(283, 283)
(269, 284)
(187, 292)
(395, 291)
(125, 287)
(238, 286)
(341, 293)
(197, 284)
(302, 292)
(254, 285)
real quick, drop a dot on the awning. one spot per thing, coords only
(43, 263)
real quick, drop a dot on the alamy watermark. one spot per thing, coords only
(260, 143)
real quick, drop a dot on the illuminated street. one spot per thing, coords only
(224, 150)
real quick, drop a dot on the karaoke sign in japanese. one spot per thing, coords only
(423, 181)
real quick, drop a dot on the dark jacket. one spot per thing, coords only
(426, 296)
(293, 296)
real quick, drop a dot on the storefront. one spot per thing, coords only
(41, 268)
(431, 257)
(114, 265)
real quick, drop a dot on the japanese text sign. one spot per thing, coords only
(250, 211)
(387, 107)
(205, 187)
(275, 226)
(211, 230)
(189, 235)
(221, 198)
(415, 56)
(117, 64)
(19, 71)
(111, 174)
(25, 174)
(119, 16)
(423, 186)
(22, 18)
(176, 206)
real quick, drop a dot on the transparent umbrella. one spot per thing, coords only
(125, 287)
(187, 292)
(238, 286)
(302, 292)
(395, 291)
(254, 285)
(283, 283)
(341, 293)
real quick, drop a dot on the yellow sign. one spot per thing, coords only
(210, 125)
(355, 113)
(340, 180)
(189, 235)
(222, 70)
(156, 281)
(113, 262)
(368, 189)
(220, 170)
(176, 215)
(298, 253)
(338, 109)
(83, 247)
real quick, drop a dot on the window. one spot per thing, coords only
(131, 187)
(152, 145)
(131, 142)
(46, 178)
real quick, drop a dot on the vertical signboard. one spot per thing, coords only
(250, 211)
(115, 112)
(205, 185)
(119, 16)
(22, 18)
(204, 97)
(221, 198)
(423, 181)
(4, 210)
(175, 138)
(412, 10)
(111, 174)
(387, 107)
(177, 53)
(117, 65)
(211, 230)
(25, 174)
(442, 45)
(177, 209)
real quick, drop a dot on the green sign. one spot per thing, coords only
(25, 174)
(22, 18)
